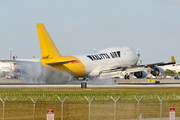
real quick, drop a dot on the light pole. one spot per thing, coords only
(10, 52)
(94, 50)
(177, 60)
(10, 58)
(138, 51)
(138, 54)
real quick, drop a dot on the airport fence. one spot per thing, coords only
(89, 110)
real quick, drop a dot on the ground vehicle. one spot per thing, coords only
(8, 76)
(176, 77)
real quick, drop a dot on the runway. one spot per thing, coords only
(89, 86)
(120, 83)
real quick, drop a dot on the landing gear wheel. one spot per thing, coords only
(126, 77)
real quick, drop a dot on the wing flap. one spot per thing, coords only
(127, 69)
(135, 69)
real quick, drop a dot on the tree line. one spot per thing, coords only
(169, 72)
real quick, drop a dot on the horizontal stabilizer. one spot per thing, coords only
(18, 61)
(60, 63)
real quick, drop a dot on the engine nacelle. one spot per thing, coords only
(157, 71)
(141, 74)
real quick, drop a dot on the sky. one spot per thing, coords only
(79, 26)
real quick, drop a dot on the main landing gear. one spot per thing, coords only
(126, 76)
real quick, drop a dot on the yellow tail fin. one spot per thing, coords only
(172, 59)
(48, 48)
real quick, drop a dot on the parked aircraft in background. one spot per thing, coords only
(9, 67)
(122, 60)
(5, 67)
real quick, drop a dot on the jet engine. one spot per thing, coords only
(141, 74)
(157, 71)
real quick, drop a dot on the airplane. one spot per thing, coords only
(114, 59)
(5, 67)
(9, 67)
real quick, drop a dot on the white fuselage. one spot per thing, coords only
(107, 59)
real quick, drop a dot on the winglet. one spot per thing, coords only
(172, 59)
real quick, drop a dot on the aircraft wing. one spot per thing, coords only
(136, 68)
(160, 64)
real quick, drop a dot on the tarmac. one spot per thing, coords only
(145, 81)
(120, 83)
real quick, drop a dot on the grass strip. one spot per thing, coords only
(101, 94)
